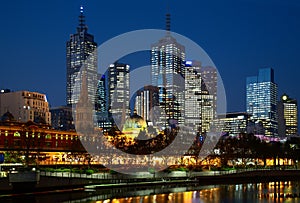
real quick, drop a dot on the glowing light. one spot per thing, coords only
(284, 97)
(188, 62)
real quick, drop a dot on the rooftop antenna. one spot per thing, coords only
(168, 18)
(82, 26)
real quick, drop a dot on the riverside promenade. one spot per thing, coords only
(57, 180)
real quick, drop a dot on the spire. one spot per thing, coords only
(82, 26)
(168, 22)
(168, 19)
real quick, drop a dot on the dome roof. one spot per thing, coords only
(134, 124)
(7, 117)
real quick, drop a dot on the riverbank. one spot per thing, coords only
(50, 181)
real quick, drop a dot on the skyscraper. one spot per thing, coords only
(101, 103)
(118, 93)
(209, 85)
(287, 116)
(81, 52)
(167, 63)
(261, 100)
(193, 97)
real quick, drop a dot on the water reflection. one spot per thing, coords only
(286, 191)
(280, 191)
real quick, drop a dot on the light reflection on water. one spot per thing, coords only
(280, 191)
(286, 191)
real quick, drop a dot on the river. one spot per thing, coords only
(280, 191)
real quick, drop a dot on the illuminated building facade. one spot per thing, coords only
(36, 139)
(261, 100)
(210, 84)
(193, 96)
(145, 100)
(287, 116)
(26, 106)
(118, 93)
(233, 123)
(81, 52)
(167, 64)
(101, 109)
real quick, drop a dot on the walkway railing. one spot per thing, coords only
(174, 174)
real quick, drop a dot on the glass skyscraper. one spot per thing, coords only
(118, 93)
(261, 100)
(81, 52)
(167, 64)
(101, 104)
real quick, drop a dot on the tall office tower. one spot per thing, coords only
(146, 99)
(287, 116)
(118, 93)
(210, 80)
(26, 106)
(101, 104)
(167, 63)
(101, 101)
(261, 100)
(193, 97)
(81, 52)
(208, 109)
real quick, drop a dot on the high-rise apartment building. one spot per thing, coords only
(261, 100)
(167, 64)
(287, 116)
(81, 52)
(118, 93)
(26, 106)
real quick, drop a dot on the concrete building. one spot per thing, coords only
(26, 106)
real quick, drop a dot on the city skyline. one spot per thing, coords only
(228, 62)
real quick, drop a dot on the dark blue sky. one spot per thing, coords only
(240, 36)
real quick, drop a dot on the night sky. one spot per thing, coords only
(240, 36)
